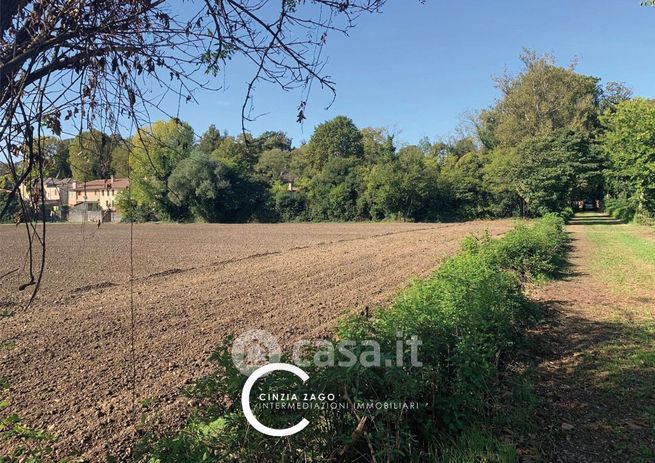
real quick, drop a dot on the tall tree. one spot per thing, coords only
(158, 149)
(629, 143)
(213, 190)
(502, 182)
(89, 155)
(210, 140)
(555, 169)
(334, 192)
(462, 174)
(275, 165)
(237, 151)
(337, 138)
(378, 144)
(272, 140)
(59, 166)
(405, 187)
(120, 157)
(613, 94)
(542, 98)
(55, 152)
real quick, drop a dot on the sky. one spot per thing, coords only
(417, 69)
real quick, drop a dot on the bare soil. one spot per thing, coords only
(67, 358)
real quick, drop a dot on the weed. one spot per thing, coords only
(469, 315)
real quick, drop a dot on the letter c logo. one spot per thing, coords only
(245, 399)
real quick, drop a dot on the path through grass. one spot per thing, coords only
(595, 360)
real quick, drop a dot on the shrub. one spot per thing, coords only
(533, 252)
(289, 205)
(621, 207)
(12, 207)
(566, 214)
(468, 315)
(132, 210)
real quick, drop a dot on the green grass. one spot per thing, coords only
(510, 433)
(642, 247)
(627, 361)
(618, 369)
(622, 258)
(7, 345)
(147, 402)
(620, 374)
(476, 446)
(614, 373)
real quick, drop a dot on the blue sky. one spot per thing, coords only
(417, 68)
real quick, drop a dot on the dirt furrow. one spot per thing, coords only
(69, 366)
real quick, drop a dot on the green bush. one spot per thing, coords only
(466, 314)
(12, 207)
(133, 211)
(622, 207)
(289, 205)
(29, 444)
(469, 314)
(566, 214)
(532, 251)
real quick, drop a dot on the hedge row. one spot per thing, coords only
(468, 315)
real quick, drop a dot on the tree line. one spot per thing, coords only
(553, 137)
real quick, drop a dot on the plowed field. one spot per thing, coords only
(67, 358)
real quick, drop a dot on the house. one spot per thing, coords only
(55, 196)
(56, 190)
(68, 199)
(97, 194)
(289, 179)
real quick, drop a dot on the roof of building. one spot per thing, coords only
(58, 181)
(116, 183)
(53, 182)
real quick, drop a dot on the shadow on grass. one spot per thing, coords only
(584, 387)
(596, 382)
(600, 219)
(566, 268)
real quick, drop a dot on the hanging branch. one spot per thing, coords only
(88, 60)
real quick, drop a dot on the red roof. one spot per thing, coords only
(117, 184)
